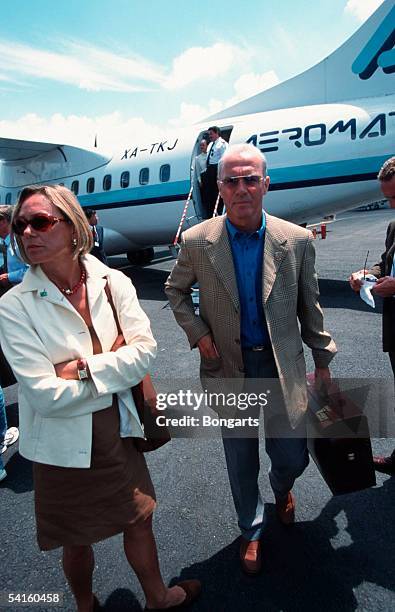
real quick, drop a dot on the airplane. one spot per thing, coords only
(325, 134)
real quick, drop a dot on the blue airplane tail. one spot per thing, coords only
(362, 67)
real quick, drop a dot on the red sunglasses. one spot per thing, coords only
(40, 223)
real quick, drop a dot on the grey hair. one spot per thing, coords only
(244, 150)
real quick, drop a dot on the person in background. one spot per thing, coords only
(97, 234)
(384, 271)
(200, 167)
(215, 151)
(13, 271)
(77, 416)
(258, 304)
(13, 266)
(7, 436)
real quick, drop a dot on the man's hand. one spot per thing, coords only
(207, 347)
(4, 282)
(119, 341)
(385, 286)
(355, 281)
(322, 379)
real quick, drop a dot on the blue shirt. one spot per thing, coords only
(16, 268)
(247, 252)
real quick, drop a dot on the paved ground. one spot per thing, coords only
(339, 556)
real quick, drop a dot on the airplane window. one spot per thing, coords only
(164, 173)
(125, 179)
(144, 176)
(107, 182)
(90, 185)
(8, 198)
(75, 185)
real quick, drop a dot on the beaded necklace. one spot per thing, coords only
(74, 289)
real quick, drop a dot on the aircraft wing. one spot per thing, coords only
(15, 150)
(27, 161)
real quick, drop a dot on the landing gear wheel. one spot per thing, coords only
(140, 258)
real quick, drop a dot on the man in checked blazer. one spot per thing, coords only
(257, 280)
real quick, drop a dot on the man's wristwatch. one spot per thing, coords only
(82, 369)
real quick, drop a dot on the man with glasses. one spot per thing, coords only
(257, 281)
(385, 288)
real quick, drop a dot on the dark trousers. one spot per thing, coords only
(286, 447)
(210, 191)
(391, 355)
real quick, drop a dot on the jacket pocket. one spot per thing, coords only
(210, 367)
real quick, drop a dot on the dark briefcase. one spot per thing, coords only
(338, 440)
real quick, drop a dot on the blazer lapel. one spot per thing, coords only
(220, 255)
(274, 252)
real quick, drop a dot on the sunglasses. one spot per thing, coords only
(40, 223)
(250, 180)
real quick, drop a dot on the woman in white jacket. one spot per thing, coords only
(77, 414)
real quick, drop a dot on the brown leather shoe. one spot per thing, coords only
(385, 464)
(285, 509)
(250, 556)
(192, 589)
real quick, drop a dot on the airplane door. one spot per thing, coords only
(197, 191)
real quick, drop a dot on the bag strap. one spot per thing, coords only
(144, 390)
(111, 302)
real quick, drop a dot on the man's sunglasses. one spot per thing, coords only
(250, 180)
(40, 223)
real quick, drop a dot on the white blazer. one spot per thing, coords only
(40, 328)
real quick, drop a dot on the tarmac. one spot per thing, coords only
(340, 554)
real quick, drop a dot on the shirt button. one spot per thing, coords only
(241, 369)
(237, 340)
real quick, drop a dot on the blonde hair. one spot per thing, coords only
(65, 200)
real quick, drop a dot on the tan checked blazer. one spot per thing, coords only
(289, 294)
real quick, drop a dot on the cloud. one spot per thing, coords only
(114, 130)
(96, 69)
(194, 113)
(81, 65)
(361, 9)
(204, 63)
(245, 86)
(250, 84)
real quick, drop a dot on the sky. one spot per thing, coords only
(74, 69)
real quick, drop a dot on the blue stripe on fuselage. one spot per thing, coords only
(308, 175)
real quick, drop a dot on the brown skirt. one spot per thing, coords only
(80, 506)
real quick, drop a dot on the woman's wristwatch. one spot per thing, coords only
(82, 369)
